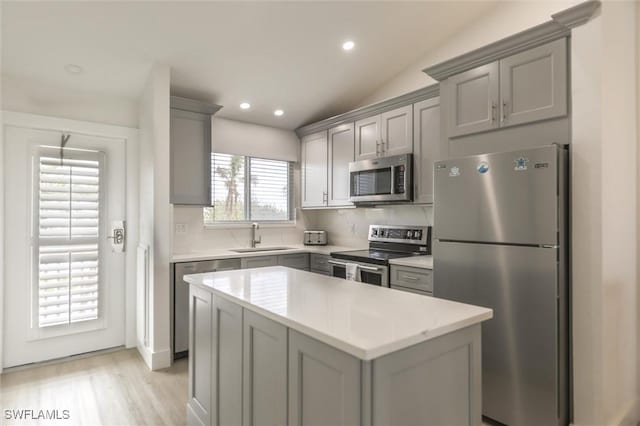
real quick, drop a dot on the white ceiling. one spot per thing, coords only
(272, 54)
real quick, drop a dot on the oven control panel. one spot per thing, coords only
(400, 234)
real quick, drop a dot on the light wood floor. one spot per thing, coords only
(114, 388)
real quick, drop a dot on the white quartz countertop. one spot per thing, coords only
(425, 262)
(229, 253)
(363, 320)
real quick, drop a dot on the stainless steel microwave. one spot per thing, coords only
(381, 180)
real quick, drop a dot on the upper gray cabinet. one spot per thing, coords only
(426, 140)
(341, 153)
(473, 98)
(190, 150)
(368, 137)
(314, 170)
(397, 131)
(381, 135)
(533, 84)
(522, 88)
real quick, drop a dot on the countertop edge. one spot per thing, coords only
(364, 355)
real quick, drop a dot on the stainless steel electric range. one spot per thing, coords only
(386, 242)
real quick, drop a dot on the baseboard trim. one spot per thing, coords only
(154, 360)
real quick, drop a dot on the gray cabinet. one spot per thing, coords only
(226, 359)
(533, 84)
(314, 170)
(367, 138)
(397, 131)
(324, 384)
(258, 262)
(201, 350)
(381, 135)
(472, 100)
(341, 153)
(297, 261)
(522, 88)
(414, 280)
(319, 263)
(426, 143)
(190, 152)
(265, 372)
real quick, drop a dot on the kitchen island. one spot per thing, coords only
(279, 346)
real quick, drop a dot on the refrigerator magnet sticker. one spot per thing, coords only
(454, 171)
(521, 164)
(483, 168)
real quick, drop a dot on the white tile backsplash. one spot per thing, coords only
(345, 227)
(350, 227)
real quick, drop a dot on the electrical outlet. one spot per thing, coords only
(181, 228)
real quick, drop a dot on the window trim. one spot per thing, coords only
(291, 221)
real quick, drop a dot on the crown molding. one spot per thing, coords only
(559, 26)
(369, 110)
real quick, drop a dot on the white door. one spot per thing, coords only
(397, 131)
(314, 170)
(65, 286)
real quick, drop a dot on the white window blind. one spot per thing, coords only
(246, 189)
(68, 230)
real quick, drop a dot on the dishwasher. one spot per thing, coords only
(181, 298)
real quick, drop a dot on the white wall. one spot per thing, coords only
(155, 218)
(604, 220)
(36, 98)
(508, 18)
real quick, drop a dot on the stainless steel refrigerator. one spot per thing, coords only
(500, 231)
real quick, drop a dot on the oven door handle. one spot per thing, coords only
(363, 267)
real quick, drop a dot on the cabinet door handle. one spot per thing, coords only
(377, 147)
(493, 112)
(504, 111)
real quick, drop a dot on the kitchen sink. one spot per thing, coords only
(251, 250)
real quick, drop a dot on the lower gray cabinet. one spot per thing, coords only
(319, 263)
(324, 384)
(297, 261)
(226, 377)
(265, 371)
(258, 262)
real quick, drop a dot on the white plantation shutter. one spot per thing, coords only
(68, 231)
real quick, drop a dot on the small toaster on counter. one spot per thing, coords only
(315, 238)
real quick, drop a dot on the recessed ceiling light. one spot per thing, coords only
(348, 45)
(73, 68)
(245, 105)
(278, 112)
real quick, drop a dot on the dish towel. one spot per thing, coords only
(352, 272)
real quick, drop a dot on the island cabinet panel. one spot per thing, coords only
(200, 354)
(265, 371)
(324, 384)
(226, 359)
(450, 364)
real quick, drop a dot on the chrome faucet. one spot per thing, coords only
(254, 227)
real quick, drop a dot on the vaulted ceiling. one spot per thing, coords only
(284, 55)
